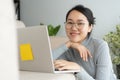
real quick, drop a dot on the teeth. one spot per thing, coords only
(73, 34)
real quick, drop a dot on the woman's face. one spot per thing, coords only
(77, 26)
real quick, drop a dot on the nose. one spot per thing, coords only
(74, 26)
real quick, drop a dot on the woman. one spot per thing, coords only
(82, 51)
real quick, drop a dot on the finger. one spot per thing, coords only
(63, 68)
(81, 54)
(59, 65)
(86, 56)
(58, 61)
(89, 54)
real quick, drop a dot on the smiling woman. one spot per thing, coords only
(82, 51)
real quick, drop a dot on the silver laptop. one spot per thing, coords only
(34, 42)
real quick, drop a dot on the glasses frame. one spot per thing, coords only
(69, 25)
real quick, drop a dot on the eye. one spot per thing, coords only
(80, 24)
(70, 23)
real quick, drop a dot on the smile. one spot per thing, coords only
(74, 34)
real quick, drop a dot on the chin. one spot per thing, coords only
(75, 40)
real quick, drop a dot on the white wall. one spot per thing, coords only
(34, 12)
(8, 42)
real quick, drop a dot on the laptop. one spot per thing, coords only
(35, 52)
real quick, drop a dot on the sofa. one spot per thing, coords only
(27, 75)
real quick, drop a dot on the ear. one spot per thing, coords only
(90, 28)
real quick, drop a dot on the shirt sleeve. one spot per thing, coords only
(103, 65)
(83, 75)
(59, 51)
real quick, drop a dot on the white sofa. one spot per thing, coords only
(24, 75)
(55, 42)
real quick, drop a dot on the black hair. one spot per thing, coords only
(86, 12)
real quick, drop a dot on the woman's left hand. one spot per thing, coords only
(83, 51)
(65, 65)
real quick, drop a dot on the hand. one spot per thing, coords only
(84, 52)
(65, 65)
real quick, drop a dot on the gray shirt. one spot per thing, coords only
(99, 67)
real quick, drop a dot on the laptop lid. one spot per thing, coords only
(34, 42)
(35, 52)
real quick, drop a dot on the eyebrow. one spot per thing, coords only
(78, 20)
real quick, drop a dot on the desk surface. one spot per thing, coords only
(25, 75)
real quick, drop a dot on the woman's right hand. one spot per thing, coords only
(65, 65)
(84, 52)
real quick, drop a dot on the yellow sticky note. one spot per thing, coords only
(26, 52)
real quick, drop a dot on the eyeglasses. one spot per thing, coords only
(77, 25)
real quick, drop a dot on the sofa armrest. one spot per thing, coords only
(56, 41)
(20, 24)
